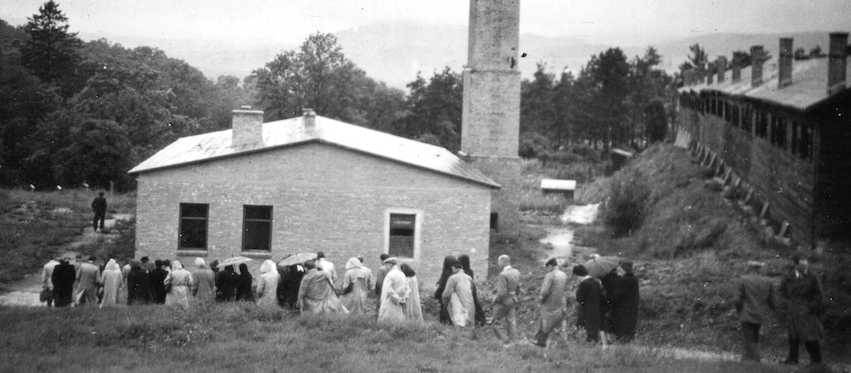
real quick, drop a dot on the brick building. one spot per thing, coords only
(266, 190)
(781, 136)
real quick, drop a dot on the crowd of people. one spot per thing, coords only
(606, 306)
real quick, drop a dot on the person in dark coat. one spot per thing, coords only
(243, 287)
(138, 284)
(441, 286)
(99, 208)
(63, 278)
(610, 283)
(754, 300)
(226, 284)
(624, 303)
(156, 279)
(480, 312)
(804, 295)
(590, 300)
(288, 287)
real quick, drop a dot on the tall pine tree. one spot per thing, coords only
(52, 53)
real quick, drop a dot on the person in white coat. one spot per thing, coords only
(394, 293)
(267, 284)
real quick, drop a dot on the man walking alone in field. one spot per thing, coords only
(754, 299)
(99, 208)
(505, 301)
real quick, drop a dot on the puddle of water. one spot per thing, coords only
(561, 237)
(21, 298)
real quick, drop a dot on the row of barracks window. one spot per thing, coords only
(781, 131)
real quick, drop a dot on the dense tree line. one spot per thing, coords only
(75, 113)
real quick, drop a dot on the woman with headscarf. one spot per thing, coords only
(203, 282)
(138, 284)
(413, 307)
(458, 297)
(288, 287)
(441, 285)
(355, 287)
(178, 281)
(243, 287)
(112, 283)
(267, 283)
(226, 283)
(480, 312)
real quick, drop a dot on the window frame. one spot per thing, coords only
(180, 226)
(418, 222)
(270, 221)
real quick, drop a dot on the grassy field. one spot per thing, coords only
(36, 226)
(243, 337)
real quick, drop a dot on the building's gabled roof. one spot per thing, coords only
(808, 88)
(289, 132)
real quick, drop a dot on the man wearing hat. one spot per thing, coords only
(99, 208)
(87, 276)
(553, 303)
(624, 305)
(394, 293)
(754, 299)
(505, 301)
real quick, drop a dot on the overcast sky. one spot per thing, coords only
(290, 21)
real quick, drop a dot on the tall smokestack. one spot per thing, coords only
(721, 66)
(737, 68)
(247, 126)
(701, 71)
(710, 73)
(786, 55)
(836, 65)
(756, 65)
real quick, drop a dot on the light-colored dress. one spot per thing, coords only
(394, 295)
(458, 296)
(112, 284)
(355, 300)
(267, 284)
(181, 281)
(316, 294)
(413, 307)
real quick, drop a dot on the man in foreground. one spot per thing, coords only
(754, 299)
(505, 301)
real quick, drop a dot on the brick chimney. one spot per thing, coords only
(785, 63)
(247, 126)
(701, 71)
(721, 66)
(737, 68)
(309, 120)
(756, 65)
(836, 65)
(710, 73)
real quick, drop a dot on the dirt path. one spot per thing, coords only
(25, 292)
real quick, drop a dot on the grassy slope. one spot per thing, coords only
(242, 337)
(693, 243)
(37, 226)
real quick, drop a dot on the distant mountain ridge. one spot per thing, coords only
(395, 52)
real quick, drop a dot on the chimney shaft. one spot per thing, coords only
(836, 65)
(737, 68)
(756, 65)
(701, 71)
(721, 65)
(710, 73)
(247, 126)
(785, 63)
(309, 120)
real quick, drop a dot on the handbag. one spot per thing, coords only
(45, 295)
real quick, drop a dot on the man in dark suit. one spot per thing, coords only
(754, 300)
(99, 208)
(804, 296)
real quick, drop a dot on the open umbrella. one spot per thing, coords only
(233, 261)
(298, 258)
(601, 265)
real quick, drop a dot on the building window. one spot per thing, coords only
(257, 228)
(805, 142)
(735, 110)
(193, 226)
(746, 119)
(495, 221)
(778, 132)
(402, 229)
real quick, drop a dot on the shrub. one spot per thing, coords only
(628, 198)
